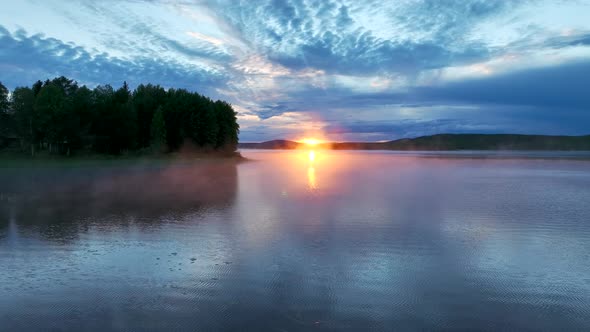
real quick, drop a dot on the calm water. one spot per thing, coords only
(296, 242)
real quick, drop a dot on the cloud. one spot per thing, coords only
(569, 40)
(564, 86)
(26, 58)
(486, 119)
(209, 39)
(268, 111)
(368, 68)
(324, 35)
(407, 128)
(148, 36)
(548, 100)
(447, 21)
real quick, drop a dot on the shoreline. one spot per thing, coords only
(458, 154)
(9, 159)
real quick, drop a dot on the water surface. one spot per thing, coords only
(299, 241)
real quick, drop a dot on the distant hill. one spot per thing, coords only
(278, 144)
(448, 142)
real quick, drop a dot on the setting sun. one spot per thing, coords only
(311, 141)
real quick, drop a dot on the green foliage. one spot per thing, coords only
(51, 113)
(82, 108)
(60, 116)
(146, 100)
(22, 102)
(115, 122)
(3, 99)
(158, 128)
(211, 125)
(37, 87)
(227, 135)
(6, 119)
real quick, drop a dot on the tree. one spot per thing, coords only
(59, 105)
(123, 126)
(6, 119)
(102, 97)
(63, 117)
(37, 87)
(158, 127)
(22, 101)
(67, 86)
(176, 117)
(124, 133)
(123, 94)
(115, 127)
(146, 99)
(227, 137)
(83, 108)
(211, 126)
(3, 99)
(50, 114)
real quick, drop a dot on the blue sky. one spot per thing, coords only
(339, 69)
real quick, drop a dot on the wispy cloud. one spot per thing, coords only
(25, 58)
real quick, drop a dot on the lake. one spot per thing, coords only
(299, 241)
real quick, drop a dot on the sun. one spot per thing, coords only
(310, 141)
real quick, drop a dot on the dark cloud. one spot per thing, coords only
(486, 119)
(408, 128)
(564, 86)
(268, 111)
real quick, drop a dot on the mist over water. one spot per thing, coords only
(297, 241)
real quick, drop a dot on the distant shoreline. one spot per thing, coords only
(446, 142)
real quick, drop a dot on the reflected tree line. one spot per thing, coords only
(60, 116)
(64, 202)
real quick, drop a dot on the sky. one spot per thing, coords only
(344, 70)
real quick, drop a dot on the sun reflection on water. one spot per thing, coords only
(311, 179)
(311, 176)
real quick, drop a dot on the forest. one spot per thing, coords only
(59, 116)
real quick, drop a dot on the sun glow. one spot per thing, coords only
(311, 141)
(312, 153)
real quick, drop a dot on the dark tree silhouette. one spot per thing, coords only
(23, 100)
(158, 128)
(3, 99)
(6, 119)
(61, 117)
(146, 100)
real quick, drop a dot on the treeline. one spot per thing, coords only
(62, 117)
